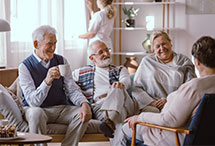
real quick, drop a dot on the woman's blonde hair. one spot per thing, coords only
(156, 34)
(110, 8)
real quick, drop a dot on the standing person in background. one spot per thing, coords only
(101, 23)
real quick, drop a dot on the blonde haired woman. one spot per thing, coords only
(101, 23)
(160, 73)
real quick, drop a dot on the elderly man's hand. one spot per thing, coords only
(118, 85)
(53, 73)
(132, 121)
(86, 113)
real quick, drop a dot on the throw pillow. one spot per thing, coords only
(15, 88)
(18, 101)
(10, 110)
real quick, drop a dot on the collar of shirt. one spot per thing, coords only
(42, 62)
(102, 68)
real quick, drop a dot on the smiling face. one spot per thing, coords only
(45, 49)
(163, 49)
(101, 56)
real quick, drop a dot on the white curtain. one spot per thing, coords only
(67, 16)
(3, 43)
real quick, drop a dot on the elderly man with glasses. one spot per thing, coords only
(105, 85)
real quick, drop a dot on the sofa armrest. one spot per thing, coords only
(8, 76)
(1, 116)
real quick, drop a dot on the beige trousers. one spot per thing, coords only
(119, 105)
(63, 114)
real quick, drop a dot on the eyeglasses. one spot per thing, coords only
(100, 52)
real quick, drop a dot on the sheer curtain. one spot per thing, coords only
(3, 43)
(67, 16)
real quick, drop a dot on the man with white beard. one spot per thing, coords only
(105, 85)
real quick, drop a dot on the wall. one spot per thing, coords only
(190, 28)
(131, 40)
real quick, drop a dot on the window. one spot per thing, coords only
(67, 16)
(73, 25)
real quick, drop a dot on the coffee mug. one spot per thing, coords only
(64, 69)
(3, 122)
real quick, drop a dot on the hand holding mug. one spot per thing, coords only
(53, 73)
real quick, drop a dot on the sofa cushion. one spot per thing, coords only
(92, 128)
(15, 92)
(16, 89)
(11, 111)
(14, 114)
(17, 100)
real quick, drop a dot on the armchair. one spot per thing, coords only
(201, 129)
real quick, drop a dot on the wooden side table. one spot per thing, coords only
(28, 138)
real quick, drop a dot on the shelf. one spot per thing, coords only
(139, 28)
(129, 28)
(129, 53)
(143, 3)
(164, 16)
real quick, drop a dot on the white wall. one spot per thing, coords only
(190, 28)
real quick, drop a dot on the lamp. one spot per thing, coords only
(4, 25)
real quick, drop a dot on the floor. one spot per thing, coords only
(85, 144)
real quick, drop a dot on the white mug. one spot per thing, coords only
(64, 69)
(3, 122)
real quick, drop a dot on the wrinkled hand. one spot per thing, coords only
(86, 113)
(132, 121)
(53, 73)
(89, 5)
(118, 85)
(160, 103)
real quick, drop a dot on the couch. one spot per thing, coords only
(11, 90)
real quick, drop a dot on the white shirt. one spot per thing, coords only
(102, 26)
(101, 80)
(35, 96)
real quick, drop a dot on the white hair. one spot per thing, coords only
(38, 34)
(91, 49)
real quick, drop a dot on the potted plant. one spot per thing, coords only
(130, 13)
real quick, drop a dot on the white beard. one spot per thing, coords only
(103, 63)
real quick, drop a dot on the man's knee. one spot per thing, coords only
(70, 113)
(35, 114)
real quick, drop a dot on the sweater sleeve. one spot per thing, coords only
(178, 109)
(125, 78)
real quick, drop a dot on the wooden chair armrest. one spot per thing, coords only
(179, 130)
(175, 130)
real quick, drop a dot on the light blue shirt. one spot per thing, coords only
(35, 96)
